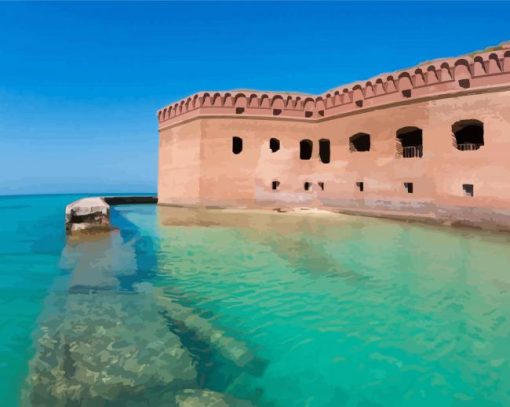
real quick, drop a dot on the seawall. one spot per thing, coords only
(92, 214)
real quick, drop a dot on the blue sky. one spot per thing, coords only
(80, 82)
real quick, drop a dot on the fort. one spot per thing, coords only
(429, 143)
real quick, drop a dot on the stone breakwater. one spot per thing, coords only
(93, 214)
(99, 345)
(87, 214)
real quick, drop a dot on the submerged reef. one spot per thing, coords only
(98, 345)
(200, 398)
(231, 349)
(108, 348)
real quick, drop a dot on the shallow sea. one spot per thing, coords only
(330, 310)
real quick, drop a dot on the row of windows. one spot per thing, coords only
(468, 189)
(306, 149)
(467, 135)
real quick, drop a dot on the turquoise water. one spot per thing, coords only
(324, 310)
(31, 242)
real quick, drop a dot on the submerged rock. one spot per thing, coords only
(208, 398)
(232, 349)
(108, 347)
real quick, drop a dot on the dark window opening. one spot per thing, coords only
(464, 83)
(359, 103)
(359, 142)
(308, 113)
(324, 151)
(361, 186)
(305, 149)
(469, 189)
(237, 145)
(274, 144)
(468, 135)
(275, 185)
(410, 142)
(409, 187)
(321, 113)
(277, 112)
(321, 186)
(307, 185)
(239, 110)
(406, 93)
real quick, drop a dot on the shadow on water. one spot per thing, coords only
(145, 259)
(216, 364)
(107, 337)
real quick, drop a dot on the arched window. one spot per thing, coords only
(237, 145)
(305, 149)
(410, 142)
(274, 144)
(359, 142)
(324, 151)
(468, 135)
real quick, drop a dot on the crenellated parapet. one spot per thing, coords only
(441, 78)
(241, 103)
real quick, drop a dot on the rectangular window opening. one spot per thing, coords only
(275, 185)
(239, 110)
(406, 93)
(359, 142)
(321, 186)
(468, 135)
(464, 83)
(410, 142)
(361, 186)
(324, 151)
(308, 186)
(274, 144)
(469, 189)
(237, 145)
(305, 149)
(409, 187)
